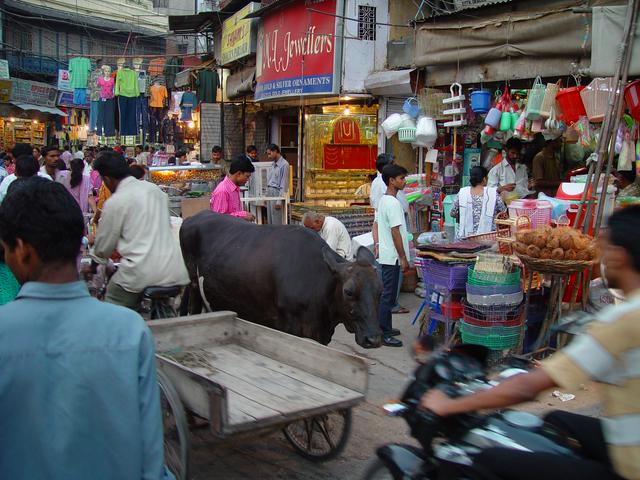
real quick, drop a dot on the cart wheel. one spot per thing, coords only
(176, 430)
(320, 438)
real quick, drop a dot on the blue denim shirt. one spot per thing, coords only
(78, 391)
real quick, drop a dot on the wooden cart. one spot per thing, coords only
(239, 378)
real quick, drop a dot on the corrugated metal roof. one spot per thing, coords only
(440, 8)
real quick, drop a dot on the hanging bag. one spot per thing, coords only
(505, 118)
(627, 153)
(536, 96)
(549, 99)
(426, 131)
(411, 107)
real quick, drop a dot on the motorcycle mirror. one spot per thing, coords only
(394, 409)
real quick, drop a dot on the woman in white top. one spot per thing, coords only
(476, 206)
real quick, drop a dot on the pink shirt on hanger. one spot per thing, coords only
(106, 87)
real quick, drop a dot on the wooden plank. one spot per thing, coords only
(338, 367)
(296, 394)
(176, 334)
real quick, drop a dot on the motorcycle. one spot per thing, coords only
(448, 445)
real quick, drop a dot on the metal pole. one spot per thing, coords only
(627, 46)
(605, 137)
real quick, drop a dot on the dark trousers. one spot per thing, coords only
(508, 464)
(127, 109)
(106, 120)
(390, 278)
(93, 115)
(155, 124)
(142, 114)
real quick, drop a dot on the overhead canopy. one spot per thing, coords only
(199, 22)
(390, 82)
(241, 83)
(488, 49)
(608, 25)
(29, 106)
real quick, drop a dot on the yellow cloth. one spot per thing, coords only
(158, 96)
(609, 354)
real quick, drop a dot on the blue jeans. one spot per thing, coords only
(396, 302)
(390, 279)
(93, 116)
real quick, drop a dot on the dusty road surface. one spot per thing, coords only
(271, 457)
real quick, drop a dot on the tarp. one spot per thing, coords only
(28, 106)
(241, 83)
(608, 26)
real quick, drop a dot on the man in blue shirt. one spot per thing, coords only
(78, 391)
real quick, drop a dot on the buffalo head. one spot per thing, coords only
(358, 295)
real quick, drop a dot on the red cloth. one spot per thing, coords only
(226, 199)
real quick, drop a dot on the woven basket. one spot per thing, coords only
(546, 265)
(483, 237)
(430, 100)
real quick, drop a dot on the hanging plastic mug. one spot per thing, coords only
(493, 117)
(505, 122)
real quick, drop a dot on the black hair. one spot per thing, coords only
(513, 144)
(77, 169)
(45, 150)
(26, 166)
(628, 175)
(216, 149)
(273, 147)
(21, 149)
(251, 148)
(61, 165)
(111, 164)
(23, 182)
(383, 160)
(45, 216)
(624, 231)
(137, 171)
(476, 175)
(392, 171)
(140, 147)
(241, 164)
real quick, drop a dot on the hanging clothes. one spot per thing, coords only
(93, 90)
(171, 69)
(143, 82)
(176, 101)
(106, 122)
(127, 83)
(207, 84)
(188, 101)
(79, 71)
(107, 86)
(158, 96)
(156, 66)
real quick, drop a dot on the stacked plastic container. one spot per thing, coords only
(493, 310)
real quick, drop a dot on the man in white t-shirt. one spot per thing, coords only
(392, 248)
(332, 231)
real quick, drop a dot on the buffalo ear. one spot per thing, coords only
(364, 257)
(331, 259)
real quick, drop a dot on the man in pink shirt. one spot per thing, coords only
(226, 197)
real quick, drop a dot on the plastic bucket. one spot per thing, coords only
(480, 101)
(632, 98)
(570, 103)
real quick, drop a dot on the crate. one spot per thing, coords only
(450, 276)
(494, 338)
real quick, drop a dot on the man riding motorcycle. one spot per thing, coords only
(135, 221)
(609, 354)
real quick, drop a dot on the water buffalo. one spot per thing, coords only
(283, 277)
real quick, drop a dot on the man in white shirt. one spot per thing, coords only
(135, 222)
(510, 175)
(393, 248)
(277, 184)
(332, 231)
(51, 159)
(378, 190)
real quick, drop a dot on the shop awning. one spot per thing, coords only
(241, 83)
(40, 108)
(183, 78)
(390, 82)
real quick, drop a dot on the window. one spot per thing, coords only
(160, 3)
(366, 22)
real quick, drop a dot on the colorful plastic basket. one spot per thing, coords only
(451, 276)
(538, 211)
(478, 277)
(494, 339)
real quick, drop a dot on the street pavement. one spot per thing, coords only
(271, 457)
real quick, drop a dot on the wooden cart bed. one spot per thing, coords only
(243, 377)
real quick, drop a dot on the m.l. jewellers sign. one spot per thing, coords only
(297, 51)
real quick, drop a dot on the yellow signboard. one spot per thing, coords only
(239, 35)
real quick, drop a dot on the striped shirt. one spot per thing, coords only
(609, 353)
(226, 199)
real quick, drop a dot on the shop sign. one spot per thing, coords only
(4, 69)
(239, 35)
(65, 99)
(5, 91)
(64, 80)
(35, 93)
(297, 51)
